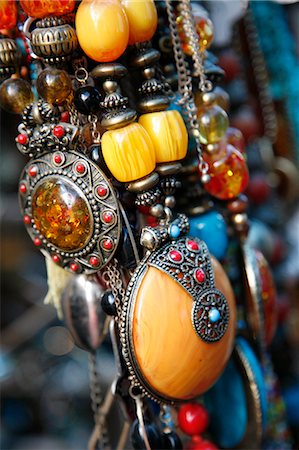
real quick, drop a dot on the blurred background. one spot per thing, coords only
(45, 383)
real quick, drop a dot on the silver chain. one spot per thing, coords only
(96, 397)
(197, 56)
(185, 79)
(113, 278)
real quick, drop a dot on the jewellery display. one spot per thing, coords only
(135, 185)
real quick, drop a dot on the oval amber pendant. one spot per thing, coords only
(179, 335)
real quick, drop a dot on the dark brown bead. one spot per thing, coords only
(238, 205)
(54, 85)
(15, 95)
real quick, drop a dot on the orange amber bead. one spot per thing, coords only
(43, 8)
(204, 29)
(8, 14)
(228, 172)
(102, 29)
(143, 19)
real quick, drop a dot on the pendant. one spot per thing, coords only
(70, 210)
(178, 322)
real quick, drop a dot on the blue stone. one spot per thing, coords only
(214, 315)
(174, 231)
(211, 228)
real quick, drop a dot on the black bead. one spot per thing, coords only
(154, 436)
(96, 155)
(172, 441)
(87, 99)
(108, 303)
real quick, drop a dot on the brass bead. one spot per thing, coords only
(9, 53)
(113, 70)
(15, 95)
(168, 168)
(53, 40)
(170, 201)
(54, 85)
(146, 58)
(143, 184)
(157, 210)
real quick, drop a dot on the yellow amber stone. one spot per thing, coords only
(128, 152)
(61, 214)
(168, 133)
(170, 355)
(102, 29)
(143, 19)
(213, 123)
(205, 32)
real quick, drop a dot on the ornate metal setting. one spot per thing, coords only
(81, 176)
(188, 262)
(42, 132)
(10, 56)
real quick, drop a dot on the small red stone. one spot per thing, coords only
(108, 217)
(107, 244)
(200, 275)
(94, 261)
(27, 220)
(65, 117)
(175, 255)
(74, 267)
(57, 158)
(192, 245)
(22, 139)
(102, 191)
(23, 188)
(32, 171)
(37, 242)
(80, 168)
(59, 131)
(193, 418)
(198, 443)
(56, 259)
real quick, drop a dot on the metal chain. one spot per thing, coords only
(185, 86)
(93, 120)
(96, 397)
(261, 78)
(197, 56)
(113, 278)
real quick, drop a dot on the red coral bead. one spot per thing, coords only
(58, 158)
(65, 117)
(200, 275)
(56, 259)
(108, 217)
(102, 191)
(27, 220)
(94, 261)
(193, 418)
(107, 244)
(80, 168)
(59, 131)
(192, 245)
(32, 171)
(74, 267)
(37, 242)
(175, 255)
(23, 188)
(22, 139)
(198, 443)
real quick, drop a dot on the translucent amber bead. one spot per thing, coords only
(221, 98)
(102, 29)
(15, 95)
(168, 133)
(54, 85)
(8, 14)
(204, 29)
(128, 152)
(43, 8)
(228, 172)
(143, 19)
(61, 214)
(213, 123)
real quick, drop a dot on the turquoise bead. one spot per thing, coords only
(174, 231)
(211, 228)
(214, 315)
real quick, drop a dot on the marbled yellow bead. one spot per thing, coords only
(128, 152)
(143, 19)
(168, 133)
(102, 29)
